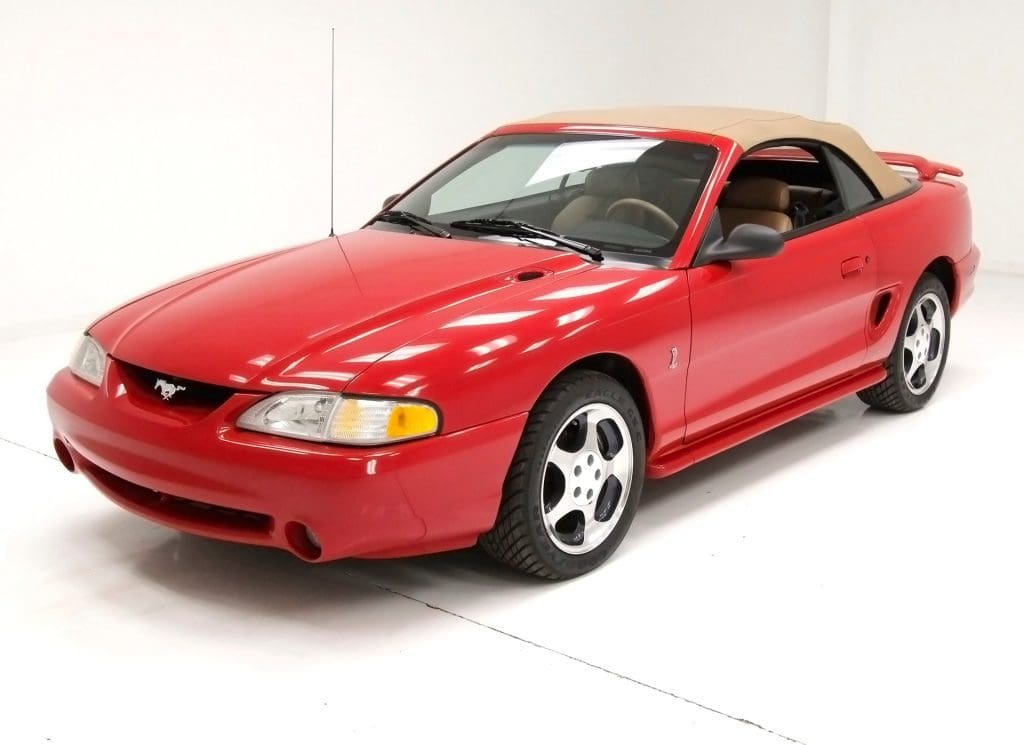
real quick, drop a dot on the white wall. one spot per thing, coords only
(142, 141)
(944, 79)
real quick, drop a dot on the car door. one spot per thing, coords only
(765, 330)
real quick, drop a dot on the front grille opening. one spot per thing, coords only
(179, 508)
(168, 390)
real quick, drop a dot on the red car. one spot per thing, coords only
(505, 352)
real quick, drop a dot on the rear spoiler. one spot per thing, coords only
(926, 169)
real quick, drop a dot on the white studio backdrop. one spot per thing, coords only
(143, 141)
(945, 79)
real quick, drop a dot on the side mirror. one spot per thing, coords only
(746, 241)
(390, 201)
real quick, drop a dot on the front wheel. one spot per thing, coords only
(918, 358)
(573, 487)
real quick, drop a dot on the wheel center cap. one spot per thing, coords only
(587, 477)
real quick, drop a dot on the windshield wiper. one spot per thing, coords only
(526, 230)
(412, 220)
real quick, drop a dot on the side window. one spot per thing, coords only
(853, 187)
(785, 187)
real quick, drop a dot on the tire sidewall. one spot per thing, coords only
(592, 388)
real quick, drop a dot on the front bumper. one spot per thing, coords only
(203, 475)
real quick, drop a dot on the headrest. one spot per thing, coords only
(679, 193)
(611, 181)
(757, 193)
(673, 159)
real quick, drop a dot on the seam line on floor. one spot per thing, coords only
(581, 661)
(26, 447)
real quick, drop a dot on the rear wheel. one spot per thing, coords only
(572, 490)
(918, 358)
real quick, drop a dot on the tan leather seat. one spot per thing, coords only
(603, 187)
(761, 201)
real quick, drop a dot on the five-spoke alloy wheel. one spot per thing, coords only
(919, 355)
(924, 340)
(572, 490)
(589, 470)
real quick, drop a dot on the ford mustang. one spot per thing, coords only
(507, 350)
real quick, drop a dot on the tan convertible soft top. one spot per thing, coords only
(747, 127)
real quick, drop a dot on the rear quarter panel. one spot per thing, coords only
(909, 233)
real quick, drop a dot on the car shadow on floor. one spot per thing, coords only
(274, 583)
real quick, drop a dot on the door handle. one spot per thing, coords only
(852, 267)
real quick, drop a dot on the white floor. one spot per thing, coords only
(849, 578)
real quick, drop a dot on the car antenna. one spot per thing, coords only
(332, 132)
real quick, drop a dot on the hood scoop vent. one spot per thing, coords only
(528, 275)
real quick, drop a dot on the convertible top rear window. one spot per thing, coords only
(633, 195)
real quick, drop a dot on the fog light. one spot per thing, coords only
(64, 455)
(302, 541)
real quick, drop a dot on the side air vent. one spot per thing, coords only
(881, 308)
(882, 313)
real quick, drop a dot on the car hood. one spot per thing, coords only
(316, 315)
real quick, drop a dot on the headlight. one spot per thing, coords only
(331, 417)
(89, 360)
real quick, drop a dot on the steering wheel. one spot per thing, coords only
(801, 214)
(833, 207)
(661, 217)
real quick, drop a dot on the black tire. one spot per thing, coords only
(519, 537)
(894, 393)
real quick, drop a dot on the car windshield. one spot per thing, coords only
(632, 195)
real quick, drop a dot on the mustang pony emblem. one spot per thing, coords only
(167, 389)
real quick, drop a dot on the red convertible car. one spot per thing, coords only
(508, 349)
